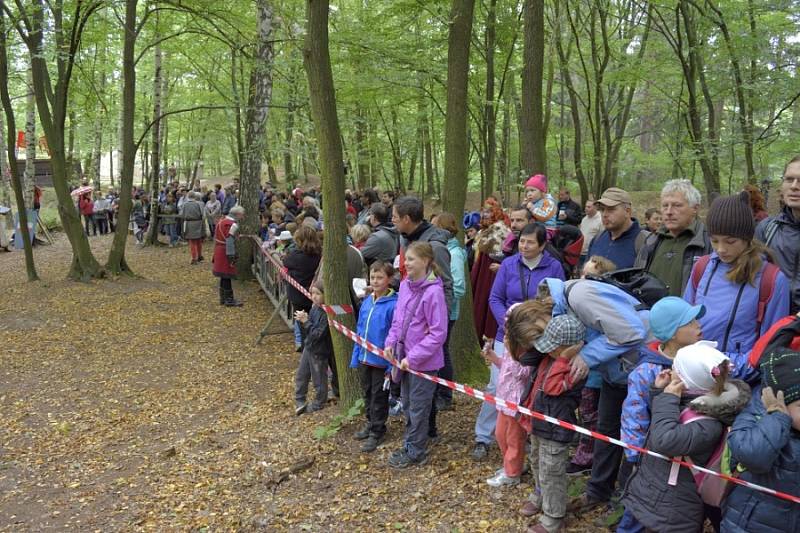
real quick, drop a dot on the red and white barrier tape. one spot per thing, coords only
(494, 400)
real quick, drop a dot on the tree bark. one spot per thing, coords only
(10, 141)
(322, 96)
(532, 140)
(155, 149)
(116, 257)
(29, 177)
(489, 109)
(260, 95)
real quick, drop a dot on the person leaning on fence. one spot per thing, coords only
(224, 259)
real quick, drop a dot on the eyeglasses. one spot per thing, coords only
(791, 180)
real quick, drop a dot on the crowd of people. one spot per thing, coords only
(711, 363)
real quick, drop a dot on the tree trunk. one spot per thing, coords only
(52, 103)
(456, 169)
(97, 148)
(258, 101)
(29, 178)
(362, 151)
(11, 170)
(322, 96)
(532, 140)
(288, 174)
(489, 109)
(155, 150)
(237, 102)
(5, 170)
(116, 257)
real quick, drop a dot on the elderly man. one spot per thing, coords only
(622, 237)
(224, 260)
(669, 253)
(782, 233)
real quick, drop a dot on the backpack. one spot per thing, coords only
(712, 489)
(765, 288)
(639, 283)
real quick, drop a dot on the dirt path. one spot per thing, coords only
(141, 404)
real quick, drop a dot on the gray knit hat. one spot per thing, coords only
(731, 216)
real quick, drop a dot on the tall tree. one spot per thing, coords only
(16, 182)
(29, 177)
(155, 149)
(260, 95)
(322, 95)
(532, 135)
(52, 103)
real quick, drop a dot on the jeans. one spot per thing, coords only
(549, 463)
(298, 334)
(417, 404)
(315, 367)
(172, 232)
(446, 393)
(376, 400)
(102, 225)
(607, 457)
(89, 222)
(487, 417)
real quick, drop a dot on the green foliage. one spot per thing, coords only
(335, 424)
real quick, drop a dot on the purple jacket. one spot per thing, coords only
(508, 290)
(422, 304)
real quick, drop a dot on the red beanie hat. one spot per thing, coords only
(539, 181)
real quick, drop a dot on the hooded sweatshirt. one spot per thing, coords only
(422, 311)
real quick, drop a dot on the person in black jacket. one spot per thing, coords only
(317, 350)
(301, 264)
(569, 211)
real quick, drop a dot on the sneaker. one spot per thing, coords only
(480, 451)
(529, 509)
(372, 443)
(501, 479)
(396, 409)
(362, 433)
(583, 503)
(314, 407)
(577, 470)
(401, 459)
(300, 409)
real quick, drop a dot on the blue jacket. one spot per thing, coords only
(769, 450)
(507, 288)
(374, 321)
(615, 330)
(621, 251)
(458, 261)
(732, 311)
(636, 408)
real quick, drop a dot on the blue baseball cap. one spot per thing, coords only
(671, 313)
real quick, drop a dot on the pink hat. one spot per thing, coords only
(539, 181)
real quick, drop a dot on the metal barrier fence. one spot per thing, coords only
(268, 276)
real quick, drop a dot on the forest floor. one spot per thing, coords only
(141, 404)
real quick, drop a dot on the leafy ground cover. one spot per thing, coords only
(141, 404)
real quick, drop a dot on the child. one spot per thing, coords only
(416, 338)
(555, 394)
(765, 441)
(513, 379)
(374, 321)
(663, 496)
(539, 202)
(673, 322)
(317, 347)
(652, 219)
(590, 395)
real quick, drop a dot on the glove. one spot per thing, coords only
(232, 259)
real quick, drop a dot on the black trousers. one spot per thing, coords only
(607, 457)
(446, 372)
(376, 400)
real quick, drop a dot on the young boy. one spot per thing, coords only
(554, 394)
(317, 349)
(673, 322)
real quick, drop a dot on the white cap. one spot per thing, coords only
(695, 364)
(285, 236)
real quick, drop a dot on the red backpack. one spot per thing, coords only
(765, 289)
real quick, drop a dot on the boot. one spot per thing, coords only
(230, 301)
(221, 296)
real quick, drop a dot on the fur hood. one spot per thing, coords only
(727, 405)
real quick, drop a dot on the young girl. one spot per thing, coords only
(765, 440)
(418, 332)
(317, 349)
(663, 497)
(374, 321)
(539, 202)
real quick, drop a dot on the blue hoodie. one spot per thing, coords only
(732, 312)
(374, 321)
(636, 408)
(615, 330)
